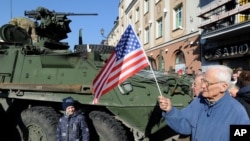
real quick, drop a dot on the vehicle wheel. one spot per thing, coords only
(107, 127)
(38, 123)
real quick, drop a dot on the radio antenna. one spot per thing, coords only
(10, 9)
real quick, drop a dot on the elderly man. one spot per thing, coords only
(209, 116)
(196, 86)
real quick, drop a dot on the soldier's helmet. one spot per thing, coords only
(26, 24)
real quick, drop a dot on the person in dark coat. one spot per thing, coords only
(72, 126)
(243, 95)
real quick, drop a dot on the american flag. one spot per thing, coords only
(127, 59)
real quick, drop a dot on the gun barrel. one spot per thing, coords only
(76, 14)
(26, 13)
(36, 13)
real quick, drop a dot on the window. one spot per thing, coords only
(159, 28)
(146, 6)
(152, 63)
(244, 16)
(180, 62)
(178, 14)
(161, 63)
(241, 2)
(137, 14)
(146, 35)
(180, 58)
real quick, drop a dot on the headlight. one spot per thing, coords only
(125, 87)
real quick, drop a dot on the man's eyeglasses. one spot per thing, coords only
(204, 81)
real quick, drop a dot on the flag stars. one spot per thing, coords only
(127, 44)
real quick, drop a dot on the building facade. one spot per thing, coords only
(168, 31)
(225, 34)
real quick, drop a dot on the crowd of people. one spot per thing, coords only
(221, 99)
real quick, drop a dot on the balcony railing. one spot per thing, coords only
(212, 7)
(224, 16)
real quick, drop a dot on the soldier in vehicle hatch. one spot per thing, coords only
(213, 108)
(26, 24)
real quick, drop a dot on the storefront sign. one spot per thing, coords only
(227, 52)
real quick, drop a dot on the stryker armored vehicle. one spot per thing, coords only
(36, 76)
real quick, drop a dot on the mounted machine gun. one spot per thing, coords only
(53, 26)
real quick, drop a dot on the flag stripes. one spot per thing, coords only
(127, 59)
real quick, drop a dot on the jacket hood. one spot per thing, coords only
(244, 90)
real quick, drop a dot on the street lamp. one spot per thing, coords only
(102, 33)
(106, 38)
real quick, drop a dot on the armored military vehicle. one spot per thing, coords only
(36, 76)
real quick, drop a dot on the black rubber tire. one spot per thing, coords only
(38, 123)
(107, 127)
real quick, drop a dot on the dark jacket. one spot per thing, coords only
(243, 96)
(72, 128)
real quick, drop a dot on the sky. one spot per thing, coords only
(107, 11)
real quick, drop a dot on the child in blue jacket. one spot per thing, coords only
(72, 126)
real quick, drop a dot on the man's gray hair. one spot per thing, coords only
(223, 73)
